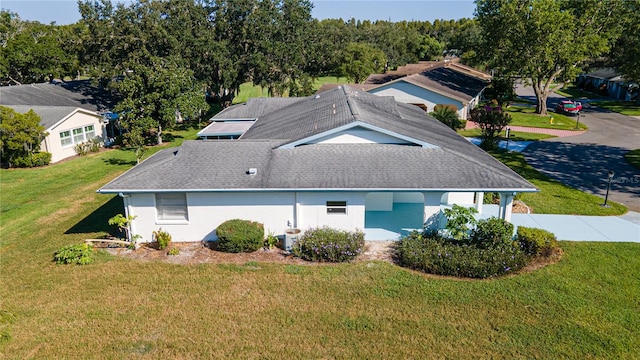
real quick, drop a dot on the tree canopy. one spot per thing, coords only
(545, 40)
(20, 137)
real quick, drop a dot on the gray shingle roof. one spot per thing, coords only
(75, 93)
(222, 165)
(49, 115)
(254, 108)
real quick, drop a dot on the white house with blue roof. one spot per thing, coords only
(343, 158)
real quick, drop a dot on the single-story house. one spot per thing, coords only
(71, 112)
(66, 126)
(610, 82)
(428, 84)
(343, 158)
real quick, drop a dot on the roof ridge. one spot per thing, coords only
(353, 108)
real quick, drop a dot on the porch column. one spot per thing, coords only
(479, 201)
(432, 218)
(506, 205)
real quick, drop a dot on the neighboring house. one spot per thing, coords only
(343, 158)
(609, 82)
(70, 112)
(66, 127)
(428, 84)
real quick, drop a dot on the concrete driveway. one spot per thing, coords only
(583, 161)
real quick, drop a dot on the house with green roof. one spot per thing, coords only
(343, 158)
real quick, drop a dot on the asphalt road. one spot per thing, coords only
(583, 161)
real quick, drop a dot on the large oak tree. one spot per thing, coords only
(542, 40)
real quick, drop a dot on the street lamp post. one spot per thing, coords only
(578, 122)
(508, 133)
(609, 179)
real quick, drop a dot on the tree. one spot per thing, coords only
(491, 120)
(361, 60)
(545, 40)
(153, 92)
(626, 53)
(33, 52)
(448, 116)
(20, 138)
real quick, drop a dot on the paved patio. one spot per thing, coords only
(625, 228)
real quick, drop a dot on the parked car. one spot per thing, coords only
(569, 107)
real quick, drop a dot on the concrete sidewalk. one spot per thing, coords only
(625, 228)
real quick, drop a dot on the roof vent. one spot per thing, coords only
(252, 171)
(317, 96)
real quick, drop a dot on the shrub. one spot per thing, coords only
(492, 232)
(81, 148)
(32, 160)
(327, 244)
(74, 254)
(448, 115)
(459, 220)
(271, 241)
(535, 242)
(163, 238)
(437, 255)
(174, 251)
(240, 236)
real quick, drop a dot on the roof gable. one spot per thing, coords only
(51, 116)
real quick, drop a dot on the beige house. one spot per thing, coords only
(66, 126)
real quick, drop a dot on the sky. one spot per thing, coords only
(64, 12)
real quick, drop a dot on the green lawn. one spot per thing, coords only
(525, 116)
(622, 107)
(555, 197)
(576, 93)
(583, 307)
(633, 157)
(248, 90)
(515, 135)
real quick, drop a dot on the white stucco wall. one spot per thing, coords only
(276, 210)
(460, 198)
(79, 119)
(359, 136)
(312, 210)
(412, 94)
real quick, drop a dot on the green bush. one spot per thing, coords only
(492, 232)
(173, 251)
(434, 254)
(163, 238)
(33, 160)
(240, 236)
(536, 242)
(74, 254)
(448, 115)
(459, 221)
(327, 244)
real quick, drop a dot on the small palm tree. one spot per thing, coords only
(447, 116)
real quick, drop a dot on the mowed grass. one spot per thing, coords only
(514, 135)
(248, 90)
(583, 307)
(628, 108)
(526, 116)
(633, 157)
(555, 197)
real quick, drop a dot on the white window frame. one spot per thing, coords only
(66, 140)
(87, 132)
(171, 208)
(336, 207)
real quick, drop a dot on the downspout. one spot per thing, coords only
(126, 199)
(295, 210)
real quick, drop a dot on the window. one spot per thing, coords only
(80, 135)
(89, 132)
(65, 138)
(172, 206)
(336, 207)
